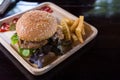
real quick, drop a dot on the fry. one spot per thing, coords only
(68, 21)
(79, 35)
(79, 29)
(74, 37)
(60, 26)
(81, 21)
(83, 30)
(66, 30)
(72, 28)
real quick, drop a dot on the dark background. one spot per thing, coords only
(98, 60)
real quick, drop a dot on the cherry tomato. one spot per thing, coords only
(47, 8)
(4, 27)
(15, 20)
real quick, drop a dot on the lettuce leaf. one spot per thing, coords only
(14, 39)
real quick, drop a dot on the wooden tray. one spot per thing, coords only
(59, 13)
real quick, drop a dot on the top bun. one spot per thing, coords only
(36, 25)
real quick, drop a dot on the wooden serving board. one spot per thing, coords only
(59, 13)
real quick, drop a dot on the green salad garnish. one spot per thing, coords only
(22, 51)
(14, 39)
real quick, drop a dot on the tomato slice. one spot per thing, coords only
(47, 9)
(15, 20)
(4, 27)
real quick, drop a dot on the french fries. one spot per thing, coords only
(83, 30)
(74, 37)
(79, 29)
(73, 28)
(60, 26)
(68, 21)
(66, 30)
(74, 25)
(79, 35)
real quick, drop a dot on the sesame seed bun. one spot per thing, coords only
(36, 25)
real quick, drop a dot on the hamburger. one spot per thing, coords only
(34, 27)
(37, 36)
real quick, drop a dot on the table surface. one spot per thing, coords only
(99, 60)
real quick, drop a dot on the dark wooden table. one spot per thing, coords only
(99, 60)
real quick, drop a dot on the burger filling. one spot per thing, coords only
(30, 44)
